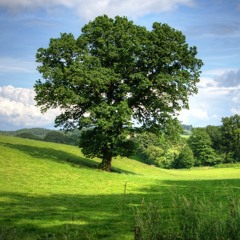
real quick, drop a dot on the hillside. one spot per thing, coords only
(39, 132)
(51, 191)
(58, 136)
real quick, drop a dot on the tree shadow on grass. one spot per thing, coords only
(66, 216)
(59, 156)
(76, 216)
(53, 155)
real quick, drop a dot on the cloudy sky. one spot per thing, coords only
(211, 25)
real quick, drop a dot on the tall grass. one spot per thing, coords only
(189, 219)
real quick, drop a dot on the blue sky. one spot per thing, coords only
(212, 26)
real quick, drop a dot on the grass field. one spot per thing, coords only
(51, 191)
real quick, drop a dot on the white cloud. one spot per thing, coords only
(229, 79)
(235, 110)
(217, 71)
(206, 82)
(186, 116)
(236, 101)
(199, 115)
(23, 96)
(18, 110)
(236, 97)
(92, 8)
(218, 96)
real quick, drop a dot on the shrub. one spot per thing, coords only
(62, 137)
(201, 145)
(29, 136)
(149, 147)
(185, 159)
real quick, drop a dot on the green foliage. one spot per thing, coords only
(39, 132)
(169, 157)
(185, 159)
(114, 72)
(28, 135)
(150, 148)
(224, 139)
(215, 134)
(201, 145)
(71, 138)
(54, 136)
(93, 142)
(154, 155)
(159, 150)
(230, 130)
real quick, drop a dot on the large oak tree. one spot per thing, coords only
(116, 73)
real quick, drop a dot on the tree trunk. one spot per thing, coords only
(106, 163)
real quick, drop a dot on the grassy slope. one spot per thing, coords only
(49, 189)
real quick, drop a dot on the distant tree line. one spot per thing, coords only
(187, 129)
(206, 146)
(217, 144)
(28, 132)
(157, 149)
(70, 138)
(42, 134)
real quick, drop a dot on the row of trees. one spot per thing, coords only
(71, 138)
(215, 144)
(157, 149)
(205, 147)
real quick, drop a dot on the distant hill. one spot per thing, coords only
(57, 136)
(187, 129)
(39, 132)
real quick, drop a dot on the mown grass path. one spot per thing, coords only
(51, 191)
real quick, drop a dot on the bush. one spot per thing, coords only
(54, 136)
(149, 147)
(62, 137)
(185, 159)
(167, 160)
(29, 136)
(201, 145)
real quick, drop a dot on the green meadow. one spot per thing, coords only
(51, 191)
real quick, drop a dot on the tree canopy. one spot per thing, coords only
(230, 130)
(215, 134)
(114, 75)
(201, 145)
(185, 159)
